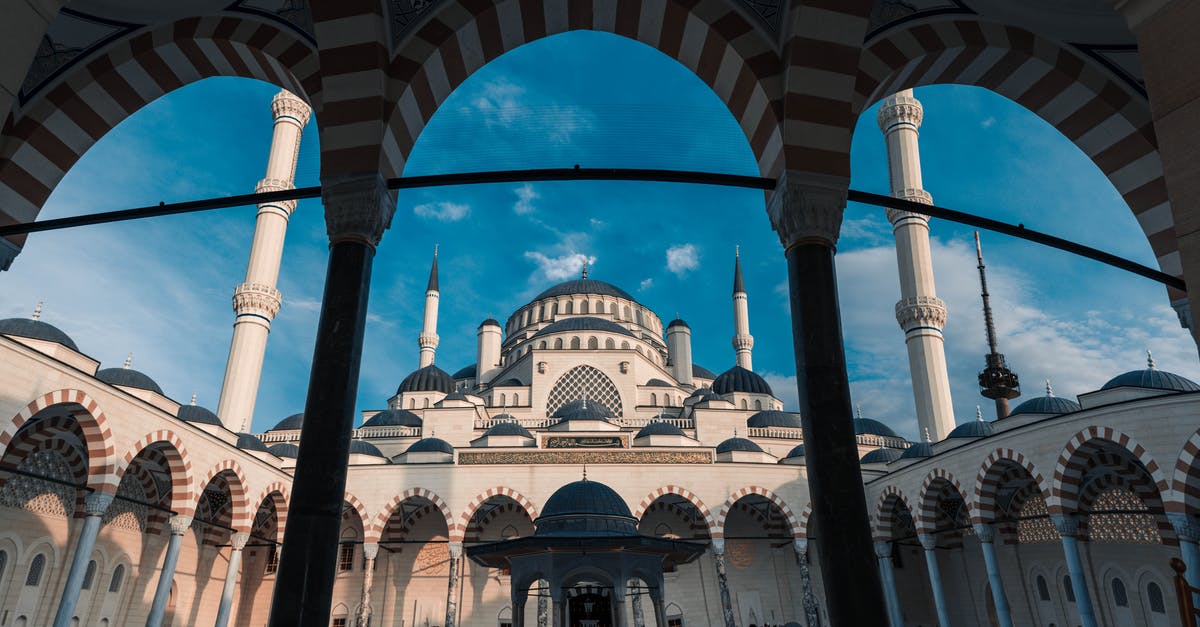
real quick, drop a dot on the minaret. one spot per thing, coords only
(921, 314)
(428, 340)
(742, 340)
(256, 301)
(996, 381)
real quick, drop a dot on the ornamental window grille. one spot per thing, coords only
(1034, 525)
(127, 510)
(584, 382)
(89, 576)
(34, 577)
(118, 576)
(43, 485)
(346, 558)
(1154, 598)
(272, 560)
(1120, 596)
(1120, 516)
(1042, 589)
(339, 622)
(1067, 589)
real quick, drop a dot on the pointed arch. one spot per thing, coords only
(885, 512)
(1000, 467)
(727, 507)
(805, 516)
(710, 522)
(455, 531)
(468, 512)
(179, 464)
(363, 518)
(101, 456)
(1071, 466)
(239, 502)
(1185, 482)
(939, 487)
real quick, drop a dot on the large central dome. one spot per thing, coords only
(584, 286)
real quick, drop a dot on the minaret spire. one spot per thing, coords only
(37, 311)
(743, 342)
(428, 340)
(996, 381)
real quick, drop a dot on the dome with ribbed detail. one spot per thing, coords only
(585, 508)
(918, 451)
(431, 445)
(584, 286)
(427, 379)
(774, 418)
(658, 428)
(973, 429)
(700, 372)
(1055, 405)
(393, 418)
(870, 426)
(739, 379)
(738, 444)
(363, 447)
(508, 428)
(1153, 379)
(295, 421)
(466, 372)
(797, 451)
(248, 442)
(704, 394)
(285, 449)
(583, 410)
(583, 323)
(881, 456)
(37, 330)
(197, 414)
(128, 377)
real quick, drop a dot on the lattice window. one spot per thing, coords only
(272, 560)
(114, 584)
(1034, 526)
(127, 511)
(1121, 517)
(1042, 589)
(37, 495)
(584, 382)
(89, 576)
(346, 558)
(1154, 598)
(1120, 596)
(34, 577)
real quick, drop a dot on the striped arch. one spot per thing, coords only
(1185, 484)
(468, 512)
(455, 531)
(710, 37)
(178, 462)
(885, 512)
(805, 516)
(101, 459)
(1002, 466)
(1072, 466)
(279, 490)
(1112, 126)
(363, 518)
(46, 139)
(236, 479)
(710, 523)
(788, 514)
(938, 486)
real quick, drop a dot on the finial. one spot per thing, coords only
(978, 413)
(735, 432)
(585, 472)
(858, 410)
(37, 311)
(193, 397)
(1049, 390)
(129, 359)
(435, 250)
(927, 438)
(585, 265)
(737, 250)
(1150, 360)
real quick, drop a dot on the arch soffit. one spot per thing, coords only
(793, 521)
(101, 473)
(235, 478)
(1110, 125)
(454, 530)
(989, 478)
(1185, 482)
(363, 518)
(885, 511)
(1068, 471)
(932, 493)
(710, 522)
(179, 464)
(469, 510)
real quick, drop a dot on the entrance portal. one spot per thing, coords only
(589, 609)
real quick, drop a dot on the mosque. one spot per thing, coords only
(582, 470)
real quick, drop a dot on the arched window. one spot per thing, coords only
(641, 318)
(757, 404)
(610, 343)
(570, 306)
(628, 315)
(1120, 597)
(743, 403)
(542, 345)
(558, 343)
(516, 399)
(583, 307)
(114, 584)
(89, 575)
(1067, 589)
(575, 343)
(503, 400)
(426, 403)
(599, 306)
(35, 570)
(1043, 589)
(624, 345)
(412, 403)
(593, 343)
(3, 563)
(1154, 598)
(653, 398)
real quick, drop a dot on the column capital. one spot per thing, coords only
(96, 503)
(238, 541)
(370, 550)
(986, 532)
(921, 311)
(1067, 525)
(358, 207)
(1186, 526)
(928, 541)
(456, 549)
(800, 546)
(807, 208)
(180, 524)
(900, 108)
(718, 546)
(883, 548)
(285, 104)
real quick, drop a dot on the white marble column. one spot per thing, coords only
(370, 552)
(718, 552)
(452, 584)
(237, 543)
(812, 614)
(543, 604)
(94, 506)
(987, 542)
(1068, 528)
(883, 550)
(162, 593)
(929, 543)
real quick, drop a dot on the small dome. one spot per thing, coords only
(583, 323)
(490, 322)
(918, 451)
(738, 379)
(507, 383)
(583, 410)
(658, 428)
(285, 449)
(870, 426)
(467, 372)
(427, 379)
(393, 418)
(584, 286)
(678, 323)
(37, 330)
(659, 383)
(431, 445)
(198, 414)
(585, 508)
(295, 421)
(248, 442)
(456, 395)
(700, 372)
(774, 418)
(704, 394)
(738, 444)
(1152, 378)
(508, 428)
(881, 456)
(1046, 405)
(128, 377)
(363, 447)
(797, 451)
(973, 429)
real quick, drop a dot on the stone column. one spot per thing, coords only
(452, 584)
(718, 552)
(811, 614)
(1068, 527)
(929, 543)
(806, 211)
(618, 605)
(1189, 535)
(94, 506)
(986, 533)
(519, 614)
(638, 617)
(357, 211)
(237, 543)
(518, 596)
(162, 593)
(370, 552)
(560, 610)
(543, 608)
(660, 610)
(883, 550)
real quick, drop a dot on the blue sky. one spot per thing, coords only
(161, 288)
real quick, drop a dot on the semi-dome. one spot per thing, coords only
(700, 372)
(248, 442)
(285, 449)
(870, 426)
(393, 418)
(973, 429)
(508, 428)
(739, 379)
(128, 377)
(583, 323)
(456, 395)
(1152, 378)
(295, 421)
(658, 383)
(197, 414)
(704, 394)
(881, 456)
(363, 447)
(431, 445)
(584, 286)
(774, 418)
(583, 410)
(37, 330)
(797, 451)
(918, 451)
(1046, 405)
(585, 508)
(466, 372)
(427, 379)
(658, 428)
(738, 444)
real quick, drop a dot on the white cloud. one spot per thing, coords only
(988, 122)
(784, 387)
(526, 194)
(443, 211)
(499, 101)
(645, 284)
(562, 267)
(682, 258)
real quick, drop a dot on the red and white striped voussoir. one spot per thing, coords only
(990, 478)
(1072, 462)
(279, 492)
(1111, 125)
(235, 478)
(101, 455)
(805, 515)
(938, 484)
(885, 512)
(179, 464)
(468, 512)
(381, 519)
(793, 522)
(363, 517)
(1185, 493)
(709, 521)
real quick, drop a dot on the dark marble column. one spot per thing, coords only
(452, 584)
(806, 211)
(811, 615)
(718, 553)
(357, 211)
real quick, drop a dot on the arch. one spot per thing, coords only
(1070, 468)
(1001, 466)
(805, 516)
(469, 511)
(1109, 124)
(376, 531)
(710, 37)
(584, 382)
(101, 457)
(178, 463)
(885, 512)
(239, 503)
(1185, 484)
(274, 497)
(789, 515)
(710, 522)
(363, 518)
(938, 487)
